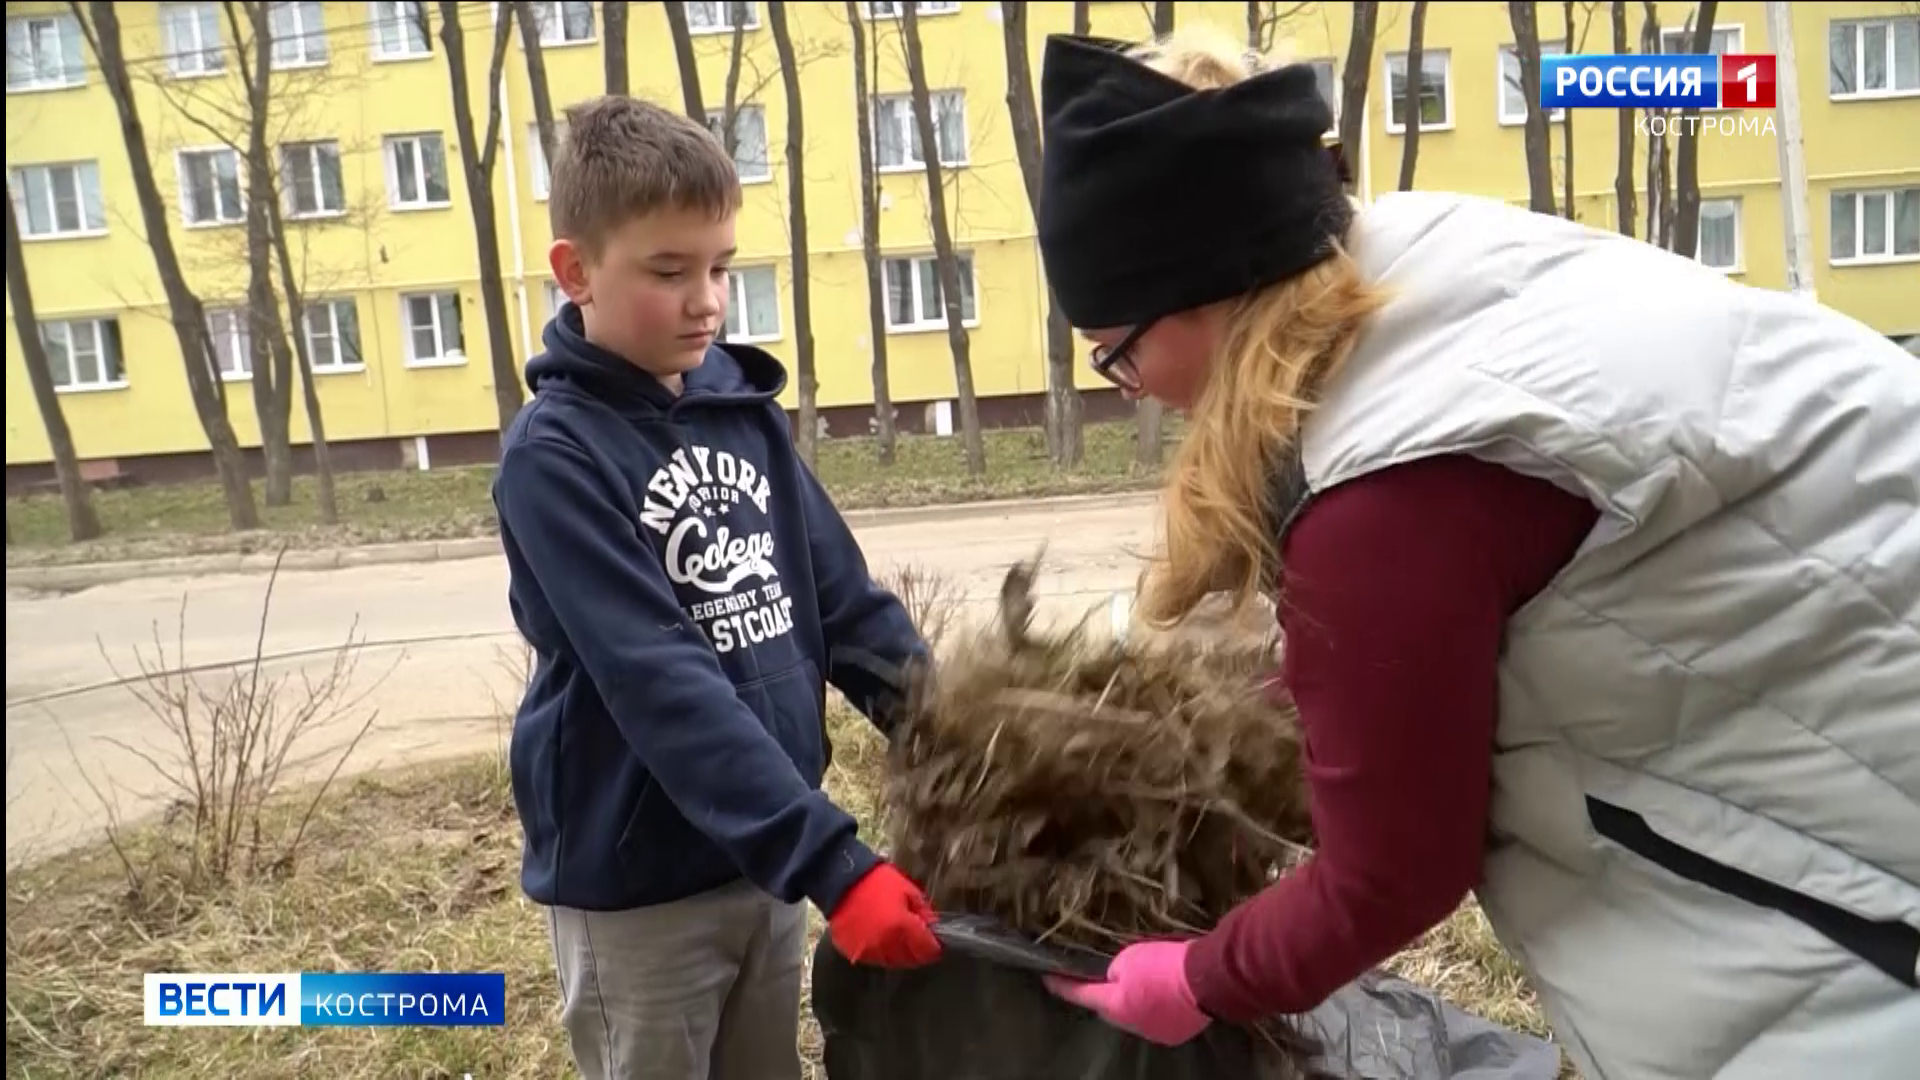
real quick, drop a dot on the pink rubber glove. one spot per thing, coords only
(1146, 993)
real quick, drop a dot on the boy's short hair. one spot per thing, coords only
(624, 158)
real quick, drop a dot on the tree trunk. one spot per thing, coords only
(944, 258)
(1686, 167)
(83, 523)
(1065, 443)
(101, 24)
(1623, 190)
(1082, 18)
(1568, 189)
(270, 364)
(809, 389)
(297, 317)
(1150, 433)
(736, 51)
(1659, 210)
(1353, 81)
(1526, 38)
(1416, 84)
(537, 77)
(684, 56)
(614, 15)
(476, 159)
(884, 430)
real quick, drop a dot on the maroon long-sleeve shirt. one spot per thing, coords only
(1396, 594)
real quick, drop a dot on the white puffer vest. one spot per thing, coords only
(1706, 820)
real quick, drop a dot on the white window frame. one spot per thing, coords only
(1860, 257)
(737, 307)
(907, 127)
(1332, 68)
(105, 346)
(395, 201)
(914, 262)
(555, 298)
(444, 356)
(723, 24)
(1891, 24)
(225, 215)
(539, 169)
(315, 151)
(923, 9)
(549, 15)
(1739, 264)
(233, 327)
(716, 123)
(204, 56)
(1728, 38)
(1427, 56)
(335, 360)
(64, 28)
(92, 215)
(299, 34)
(400, 16)
(1502, 81)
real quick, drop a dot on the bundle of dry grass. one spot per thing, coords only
(1095, 792)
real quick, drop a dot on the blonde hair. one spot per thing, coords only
(1282, 343)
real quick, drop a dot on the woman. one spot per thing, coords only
(1600, 586)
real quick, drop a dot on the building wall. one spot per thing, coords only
(373, 253)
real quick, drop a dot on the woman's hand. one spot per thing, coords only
(1146, 993)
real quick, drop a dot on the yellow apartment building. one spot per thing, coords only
(367, 144)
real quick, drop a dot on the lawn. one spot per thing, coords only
(413, 870)
(158, 520)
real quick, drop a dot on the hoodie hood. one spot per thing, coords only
(730, 374)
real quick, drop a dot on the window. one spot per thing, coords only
(1875, 226)
(1328, 85)
(890, 9)
(1678, 40)
(564, 23)
(231, 336)
(914, 300)
(1719, 244)
(715, 16)
(310, 179)
(749, 141)
(433, 329)
(417, 171)
(333, 336)
(45, 52)
(84, 354)
(1436, 90)
(537, 151)
(753, 310)
(191, 35)
(1873, 57)
(1513, 100)
(210, 187)
(299, 35)
(897, 138)
(555, 298)
(57, 200)
(399, 30)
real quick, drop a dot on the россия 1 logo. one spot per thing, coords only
(1670, 83)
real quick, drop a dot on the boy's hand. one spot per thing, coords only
(884, 920)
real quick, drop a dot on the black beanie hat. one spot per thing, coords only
(1156, 197)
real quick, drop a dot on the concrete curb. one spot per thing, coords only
(75, 576)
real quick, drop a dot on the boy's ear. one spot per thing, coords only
(569, 264)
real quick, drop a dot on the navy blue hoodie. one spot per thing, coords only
(685, 583)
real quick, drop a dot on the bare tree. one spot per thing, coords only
(543, 121)
(1353, 78)
(83, 523)
(271, 362)
(1526, 47)
(1623, 191)
(1065, 442)
(477, 157)
(1263, 21)
(1659, 164)
(1686, 166)
(1568, 189)
(615, 50)
(100, 23)
(1416, 85)
(809, 388)
(684, 56)
(863, 61)
(947, 263)
(737, 12)
(1082, 18)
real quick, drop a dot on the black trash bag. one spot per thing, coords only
(982, 1013)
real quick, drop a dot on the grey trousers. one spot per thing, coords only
(707, 988)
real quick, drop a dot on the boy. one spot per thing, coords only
(686, 584)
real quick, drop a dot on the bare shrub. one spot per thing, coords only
(930, 599)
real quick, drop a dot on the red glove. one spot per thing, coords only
(884, 920)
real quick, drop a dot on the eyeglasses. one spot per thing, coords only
(1116, 364)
